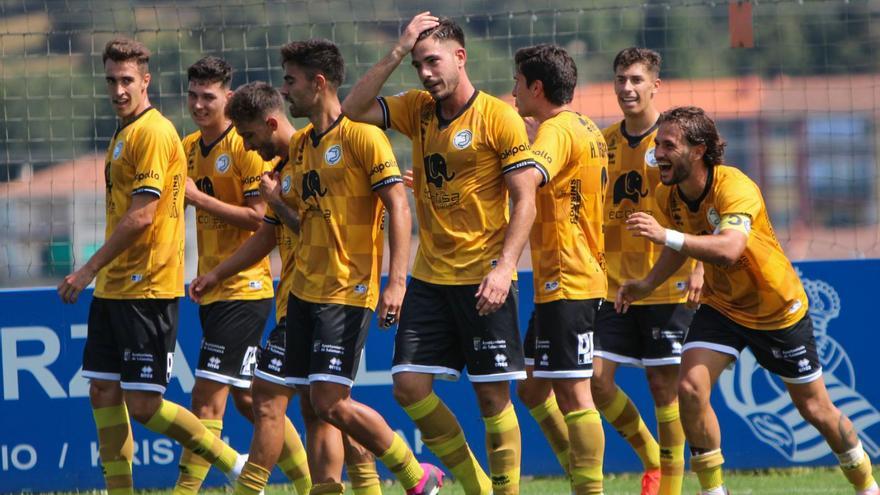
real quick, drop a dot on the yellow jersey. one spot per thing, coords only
(566, 241)
(761, 290)
(633, 176)
(226, 171)
(146, 157)
(286, 240)
(458, 181)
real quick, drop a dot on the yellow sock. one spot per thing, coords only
(116, 447)
(364, 479)
(400, 460)
(179, 424)
(293, 461)
(587, 451)
(504, 450)
(623, 415)
(856, 466)
(327, 488)
(193, 469)
(708, 469)
(671, 436)
(252, 480)
(552, 424)
(444, 436)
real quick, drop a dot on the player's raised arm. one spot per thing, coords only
(360, 104)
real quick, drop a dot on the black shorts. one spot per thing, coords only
(440, 332)
(560, 338)
(231, 333)
(131, 341)
(789, 352)
(324, 341)
(270, 363)
(646, 335)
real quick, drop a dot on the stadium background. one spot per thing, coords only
(794, 86)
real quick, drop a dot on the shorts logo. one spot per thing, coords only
(275, 364)
(117, 150)
(222, 163)
(477, 342)
(463, 139)
(169, 364)
(249, 361)
(333, 154)
(676, 348)
(650, 159)
(214, 362)
(545, 360)
(335, 364)
(285, 184)
(585, 348)
(500, 361)
(147, 372)
(136, 277)
(126, 355)
(316, 346)
(360, 289)
(551, 286)
(761, 401)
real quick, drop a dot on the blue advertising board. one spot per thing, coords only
(48, 440)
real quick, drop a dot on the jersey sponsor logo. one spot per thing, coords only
(222, 163)
(650, 159)
(462, 139)
(629, 186)
(333, 154)
(551, 286)
(435, 170)
(136, 277)
(205, 185)
(255, 284)
(117, 150)
(515, 150)
(150, 174)
(543, 155)
(360, 289)
(285, 184)
(379, 167)
(761, 400)
(311, 186)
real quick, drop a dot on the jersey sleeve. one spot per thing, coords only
(739, 197)
(251, 168)
(373, 152)
(401, 111)
(551, 149)
(152, 152)
(188, 143)
(511, 142)
(663, 216)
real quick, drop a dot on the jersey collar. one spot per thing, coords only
(206, 148)
(316, 138)
(694, 206)
(635, 141)
(443, 123)
(280, 165)
(120, 128)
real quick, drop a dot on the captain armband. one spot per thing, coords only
(736, 221)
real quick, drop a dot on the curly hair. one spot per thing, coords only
(316, 56)
(697, 128)
(253, 101)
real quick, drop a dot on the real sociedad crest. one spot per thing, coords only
(222, 163)
(760, 399)
(117, 150)
(333, 154)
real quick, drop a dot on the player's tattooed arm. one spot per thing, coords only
(270, 191)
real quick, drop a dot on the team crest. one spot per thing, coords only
(463, 139)
(713, 217)
(333, 154)
(222, 163)
(285, 184)
(650, 159)
(117, 150)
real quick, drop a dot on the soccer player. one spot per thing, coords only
(567, 252)
(714, 213)
(470, 154)
(132, 326)
(223, 185)
(650, 335)
(344, 177)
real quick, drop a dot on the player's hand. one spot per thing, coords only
(531, 127)
(270, 187)
(695, 286)
(201, 285)
(629, 292)
(390, 303)
(493, 290)
(73, 284)
(644, 225)
(408, 178)
(419, 23)
(191, 191)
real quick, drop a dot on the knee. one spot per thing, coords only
(603, 388)
(816, 411)
(493, 398)
(663, 387)
(244, 402)
(330, 409)
(691, 395)
(104, 393)
(407, 392)
(142, 406)
(532, 392)
(265, 405)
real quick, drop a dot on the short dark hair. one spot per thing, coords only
(316, 56)
(211, 69)
(125, 49)
(697, 128)
(254, 101)
(635, 55)
(551, 65)
(447, 29)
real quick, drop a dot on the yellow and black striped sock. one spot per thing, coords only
(193, 469)
(708, 469)
(444, 436)
(364, 479)
(293, 461)
(327, 489)
(856, 466)
(179, 424)
(671, 436)
(116, 448)
(252, 480)
(623, 415)
(587, 451)
(552, 424)
(503, 446)
(400, 460)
